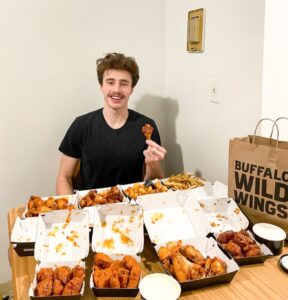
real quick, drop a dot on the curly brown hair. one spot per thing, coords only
(117, 61)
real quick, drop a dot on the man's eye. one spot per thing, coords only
(124, 83)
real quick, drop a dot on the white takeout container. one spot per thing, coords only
(171, 217)
(62, 239)
(90, 209)
(118, 230)
(166, 218)
(220, 213)
(126, 186)
(23, 236)
(72, 200)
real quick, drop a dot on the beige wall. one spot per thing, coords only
(47, 73)
(275, 66)
(233, 54)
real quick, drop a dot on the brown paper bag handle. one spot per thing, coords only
(274, 124)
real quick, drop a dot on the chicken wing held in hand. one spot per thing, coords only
(147, 130)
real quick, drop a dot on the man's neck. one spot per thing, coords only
(115, 118)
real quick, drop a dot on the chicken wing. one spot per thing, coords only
(192, 254)
(73, 287)
(63, 273)
(147, 130)
(57, 287)
(44, 288)
(102, 260)
(78, 271)
(45, 273)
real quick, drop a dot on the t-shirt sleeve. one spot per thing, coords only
(73, 140)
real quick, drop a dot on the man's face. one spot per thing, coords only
(116, 88)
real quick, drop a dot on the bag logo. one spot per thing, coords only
(261, 188)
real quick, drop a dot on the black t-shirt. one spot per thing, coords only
(108, 156)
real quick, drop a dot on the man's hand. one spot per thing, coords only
(154, 152)
(153, 155)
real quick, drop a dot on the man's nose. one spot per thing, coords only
(117, 87)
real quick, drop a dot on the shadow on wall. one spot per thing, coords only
(164, 112)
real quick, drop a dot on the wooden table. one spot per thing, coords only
(260, 281)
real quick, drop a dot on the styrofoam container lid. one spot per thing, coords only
(118, 229)
(159, 286)
(62, 235)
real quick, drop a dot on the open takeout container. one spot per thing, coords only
(117, 231)
(149, 184)
(71, 201)
(169, 218)
(223, 214)
(62, 239)
(90, 209)
(177, 187)
(23, 236)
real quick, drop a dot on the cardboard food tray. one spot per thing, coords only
(179, 221)
(122, 223)
(208, 247)
(62, 238)
(223, 214)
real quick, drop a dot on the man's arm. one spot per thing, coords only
(64, 179)
(153, 155)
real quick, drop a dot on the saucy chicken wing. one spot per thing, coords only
(147, 130)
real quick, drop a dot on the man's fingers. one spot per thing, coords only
(152, 144)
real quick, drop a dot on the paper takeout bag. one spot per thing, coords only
(258, 178)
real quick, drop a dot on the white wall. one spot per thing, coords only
(275, 66)
(47, 74)
(233, 54)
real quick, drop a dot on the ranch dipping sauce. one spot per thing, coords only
(159, 286)
(269, 232)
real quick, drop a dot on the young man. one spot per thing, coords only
(109, 142)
